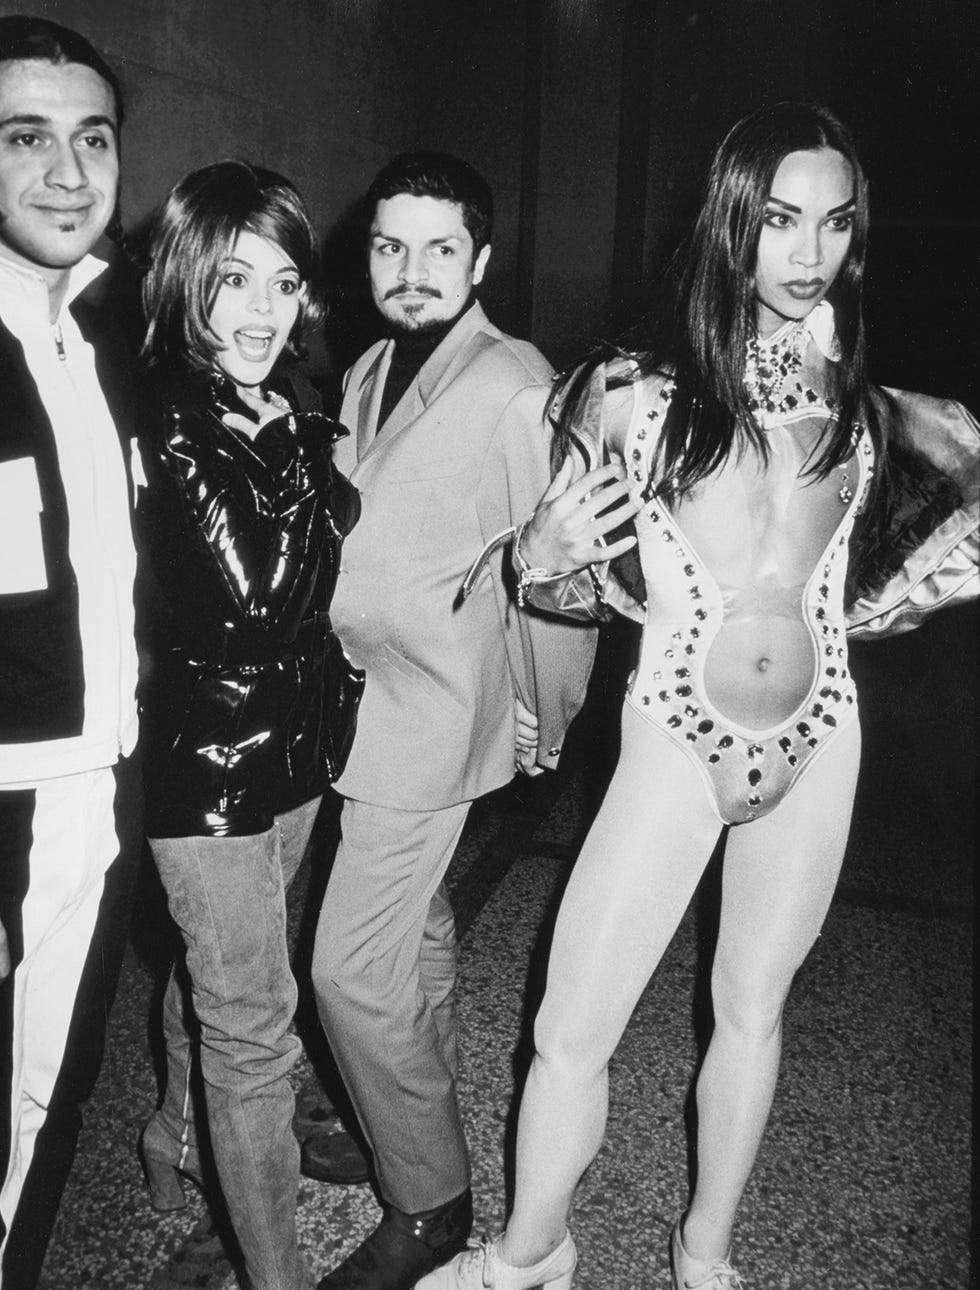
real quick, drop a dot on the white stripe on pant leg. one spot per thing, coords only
(74, 843)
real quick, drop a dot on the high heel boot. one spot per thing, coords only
(481, 1268)
(166, 1166)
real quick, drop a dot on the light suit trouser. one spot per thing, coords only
(384, 972)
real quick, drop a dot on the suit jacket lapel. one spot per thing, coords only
(443, 365)
(438, 370)
(369, 399)
(408, 407)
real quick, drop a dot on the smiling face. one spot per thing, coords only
(422, 266)
(806, 233)
(59, 163)
(255, 309)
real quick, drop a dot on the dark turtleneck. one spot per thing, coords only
(410, 354)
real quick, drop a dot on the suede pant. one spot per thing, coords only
(227, 896)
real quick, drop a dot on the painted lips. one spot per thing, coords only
(800, 289)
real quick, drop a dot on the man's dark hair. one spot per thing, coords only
(443, 176)
(25, 38)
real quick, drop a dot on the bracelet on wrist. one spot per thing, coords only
(526, 575)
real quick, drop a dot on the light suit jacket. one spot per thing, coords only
(462, 456)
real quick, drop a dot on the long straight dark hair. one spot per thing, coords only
(698, 335)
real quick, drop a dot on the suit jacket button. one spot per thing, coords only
(553, 752)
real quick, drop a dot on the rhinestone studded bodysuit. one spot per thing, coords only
(747, 772)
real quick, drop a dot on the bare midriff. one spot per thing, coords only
(760, 528)
(758, 672)
(761, 532)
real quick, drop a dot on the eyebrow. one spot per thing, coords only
(35, 118)
(378, 236)
(100, 119)
(247, 264)
(797, 210)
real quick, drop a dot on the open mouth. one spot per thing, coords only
(255, 343)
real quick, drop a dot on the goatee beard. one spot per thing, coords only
(409, 329)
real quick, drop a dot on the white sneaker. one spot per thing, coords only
(480, 1267)
(696, 1274)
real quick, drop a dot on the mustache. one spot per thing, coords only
(413, 291)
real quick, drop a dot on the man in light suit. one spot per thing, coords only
(448, 449)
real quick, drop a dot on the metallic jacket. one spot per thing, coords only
(250, 702)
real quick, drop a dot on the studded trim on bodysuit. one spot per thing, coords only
(748, 772)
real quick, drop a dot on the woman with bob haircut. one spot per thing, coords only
(249, 710)
(764, 486)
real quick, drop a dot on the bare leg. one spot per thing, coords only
(631, 885)
(779, 878)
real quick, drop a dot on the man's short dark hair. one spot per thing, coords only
(25, 38)
(443, 176)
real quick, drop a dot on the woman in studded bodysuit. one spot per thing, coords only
(744, 443)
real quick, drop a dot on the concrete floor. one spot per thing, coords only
(864, 1178)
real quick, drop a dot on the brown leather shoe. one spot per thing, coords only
(314, 1111)
(404, 1247)
(334, 1156)
(198, 1262)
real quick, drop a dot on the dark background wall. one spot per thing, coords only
(593, 119)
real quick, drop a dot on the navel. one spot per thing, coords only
(763, 664)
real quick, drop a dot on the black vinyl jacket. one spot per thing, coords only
(249, 704)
